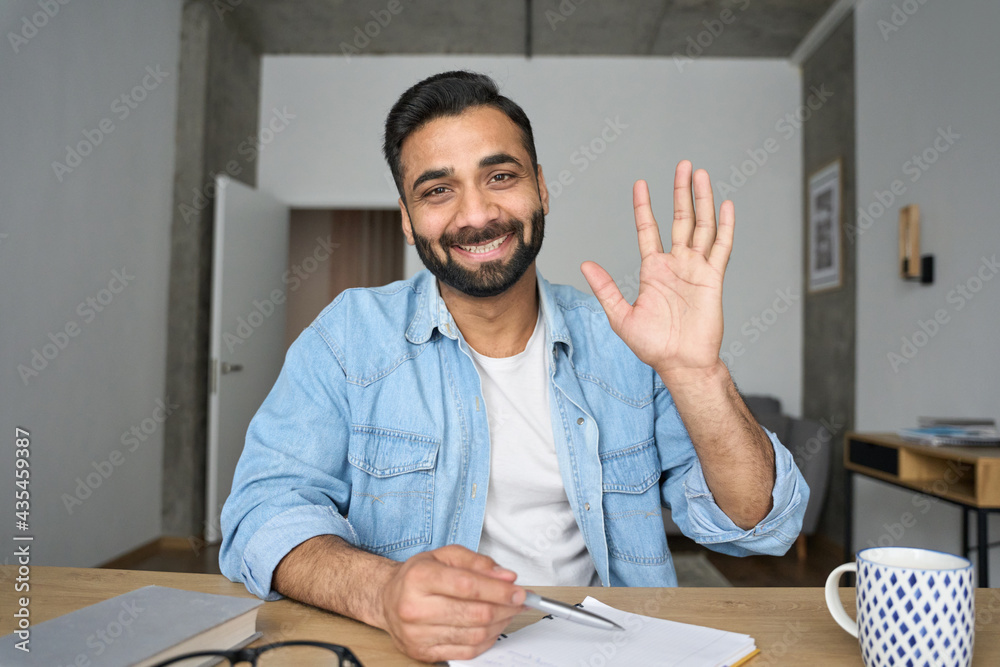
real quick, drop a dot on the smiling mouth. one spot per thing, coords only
(484, 247)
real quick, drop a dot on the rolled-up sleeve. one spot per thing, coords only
(693, 507)
(291, 482)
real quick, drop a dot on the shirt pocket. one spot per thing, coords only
(392, 487)
(633, 519)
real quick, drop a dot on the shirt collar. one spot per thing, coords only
(432, 313)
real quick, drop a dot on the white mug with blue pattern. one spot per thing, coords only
(915, 607)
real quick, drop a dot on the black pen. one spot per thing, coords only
(569, 612)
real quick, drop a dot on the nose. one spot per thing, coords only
(477, 209)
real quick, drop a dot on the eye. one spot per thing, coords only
(501, 177)
(439, 190)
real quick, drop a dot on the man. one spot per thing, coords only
(429, 441)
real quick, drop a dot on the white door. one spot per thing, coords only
(248, 326)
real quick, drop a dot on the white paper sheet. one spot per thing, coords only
(555, 642)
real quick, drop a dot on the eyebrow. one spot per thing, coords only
(499, 158)
(488, 161)
(431, 174)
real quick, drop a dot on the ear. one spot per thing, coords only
(543, 192)
(407, 225)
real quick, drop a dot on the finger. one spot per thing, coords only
(463, 584)
(467, 636)
(446, 652)
(680, 233)
(645, 224)
(440, 611)
(723, 246)
(499, 572)
(437, 643)
(704, 230)
(459, 556)
(607, 293)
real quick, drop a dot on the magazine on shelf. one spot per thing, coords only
(953, 435)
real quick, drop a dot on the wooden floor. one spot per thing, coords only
(757, 571)
(176, 555)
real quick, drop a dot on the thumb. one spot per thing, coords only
(607, 293)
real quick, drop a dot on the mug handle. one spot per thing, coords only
(833, 602)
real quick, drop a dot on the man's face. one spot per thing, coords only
(474, 209)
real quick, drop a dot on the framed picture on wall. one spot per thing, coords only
(824, 261)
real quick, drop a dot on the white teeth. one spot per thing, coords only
(492, 245)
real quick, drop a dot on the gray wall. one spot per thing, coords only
(829, 317)
(218, 104)
(640, 115)
(94, 487)
(932, 78)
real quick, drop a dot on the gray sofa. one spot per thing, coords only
(808, 441)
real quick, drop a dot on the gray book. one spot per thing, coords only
(141, 627)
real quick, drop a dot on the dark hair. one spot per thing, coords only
(446, 94)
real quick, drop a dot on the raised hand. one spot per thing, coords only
(675, 325)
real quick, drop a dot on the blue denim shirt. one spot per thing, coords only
(376, 431)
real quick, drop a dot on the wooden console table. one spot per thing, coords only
(965, 476)
(790, 625)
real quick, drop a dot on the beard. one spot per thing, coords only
(493, 277)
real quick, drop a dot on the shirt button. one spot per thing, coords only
(586, 506)
(579, 421)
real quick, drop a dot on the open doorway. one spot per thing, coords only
(333, 250)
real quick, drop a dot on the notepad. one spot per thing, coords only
(555, 642)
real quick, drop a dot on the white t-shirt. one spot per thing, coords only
(529, 526)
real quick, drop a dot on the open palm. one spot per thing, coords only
(676, 321)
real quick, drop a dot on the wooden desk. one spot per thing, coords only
(791, 625)
(965, 476)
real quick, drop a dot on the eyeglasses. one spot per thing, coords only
(304, 653)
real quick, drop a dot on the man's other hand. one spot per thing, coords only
(449, 604)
